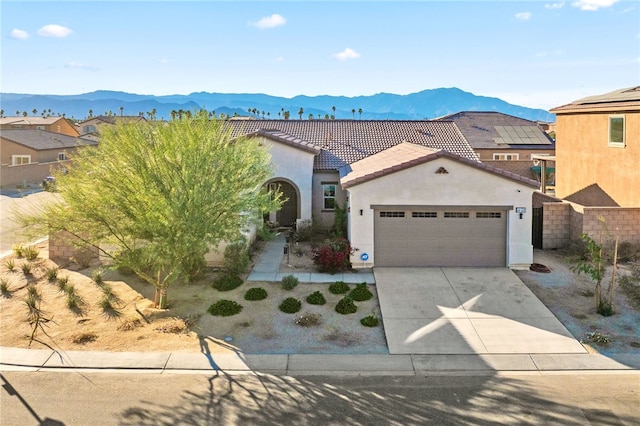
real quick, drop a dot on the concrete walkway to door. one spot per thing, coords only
(462, 311)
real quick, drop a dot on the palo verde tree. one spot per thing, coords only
(159, 195)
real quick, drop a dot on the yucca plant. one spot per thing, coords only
(10, 265)
(26, 268)
(52, 274)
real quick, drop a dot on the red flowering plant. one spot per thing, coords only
(333, 256)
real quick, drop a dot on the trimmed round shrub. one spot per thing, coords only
(290, 305)
(339, 287)
(256, 293)
(227, 282)
(346, 306)
(289, 282)
(370, 321)
(361, 293)
(316, 298)
(225, 308)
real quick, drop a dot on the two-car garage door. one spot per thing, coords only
(440, 236)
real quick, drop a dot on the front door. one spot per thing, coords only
(288, 213)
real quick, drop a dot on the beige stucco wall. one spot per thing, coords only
(322, 218)
(464, 185)
(583, 157)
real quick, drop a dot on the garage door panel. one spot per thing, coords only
(440, 237)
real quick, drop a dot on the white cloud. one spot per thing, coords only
(164, 61)
(523, 16)
(53, 30)
(554, 5)
(592, 5)
(19, 34)
(346, 54)
(267, 22)
(278, 59)
(79, 65)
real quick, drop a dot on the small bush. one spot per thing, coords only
(225, 308)
(628, 252)
(339, 287)
(26, 268)
(304, 231)
(236, 257)
(98, 276)
(289, 282)
(82, 338)
(18, 250)
(370, 321)
(174, 326)
(62, 282)
(33, 292)
(308, 320)
(361, 293)
(106, 303)
(333, 256)
(73, 300)
(256, 293)
(346, 306)
(316, 298)
(52, 274)
(30, 253)
(4, 287)
(227, 282)
(264, 233)
(10, 265)
(129, 324)
(598, 338)
(290, 305)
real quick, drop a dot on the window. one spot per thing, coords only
(616, 130)
(62, 156)
(391, 214)
(17, 160)
(88, 129)
(40, 127)
(456, 215)
(488, 215)
(328, 196)
(424, 214)
(504, 156)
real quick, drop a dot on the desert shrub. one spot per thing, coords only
(32, 292)
(256, 293)
(361, 293)
(106, 303)
(289, 282)
(52, 274)
(628, 252)
(304, 231)
(74, 301)
(4, 287)
(346, 306)
(30, 252)
(27, 268)
(106, 289)
(308, 320)
(62, 282)
(236, 257)
(129, 324)
(370, 321)
(10, 265)
(225, 308)
(316, 298)
(98, 276)
(333, 256)
(175, 325)
(82, 260)
(84, 337)
(18, 250)
(597, 338)
(227, 282)
(264, 233)
(339, 287)
(290, 305)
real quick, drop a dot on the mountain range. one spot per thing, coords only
(427, 104)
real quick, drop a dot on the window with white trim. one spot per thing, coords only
(616, 131)
(62, 156)
(329, 196)
(18, 160)
(505, 156)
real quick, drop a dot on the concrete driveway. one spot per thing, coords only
(466, 311)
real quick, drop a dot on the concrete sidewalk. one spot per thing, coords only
(13, 359)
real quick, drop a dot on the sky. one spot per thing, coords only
(538, 54)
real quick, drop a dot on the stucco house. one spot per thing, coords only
(50, 124)
(505, 141)
(598, 173)
(29, 155)
(416, 192)
(92, 125)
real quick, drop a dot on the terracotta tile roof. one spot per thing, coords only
(407, 155)
(29, 121)
(43, 140)
(343, 142)
(618, 100)
(487, 130)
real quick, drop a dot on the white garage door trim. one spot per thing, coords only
(423, 235)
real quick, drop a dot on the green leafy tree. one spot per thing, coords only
(160, 195)
(360, 113)
(300, 112)
(593, 264)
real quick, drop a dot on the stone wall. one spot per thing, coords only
(62, 250)
(556, 229)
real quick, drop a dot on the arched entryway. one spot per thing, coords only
(289, 212)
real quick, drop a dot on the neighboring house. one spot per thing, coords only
(415, 191)
(50, 124)
(29, 155)
(93, 125)
(505, 141)
(598, 168)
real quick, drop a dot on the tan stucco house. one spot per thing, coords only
(415, 191)
(92, 125)
(597, 168)
(50, 124)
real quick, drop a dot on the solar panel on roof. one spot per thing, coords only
(521, 135)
